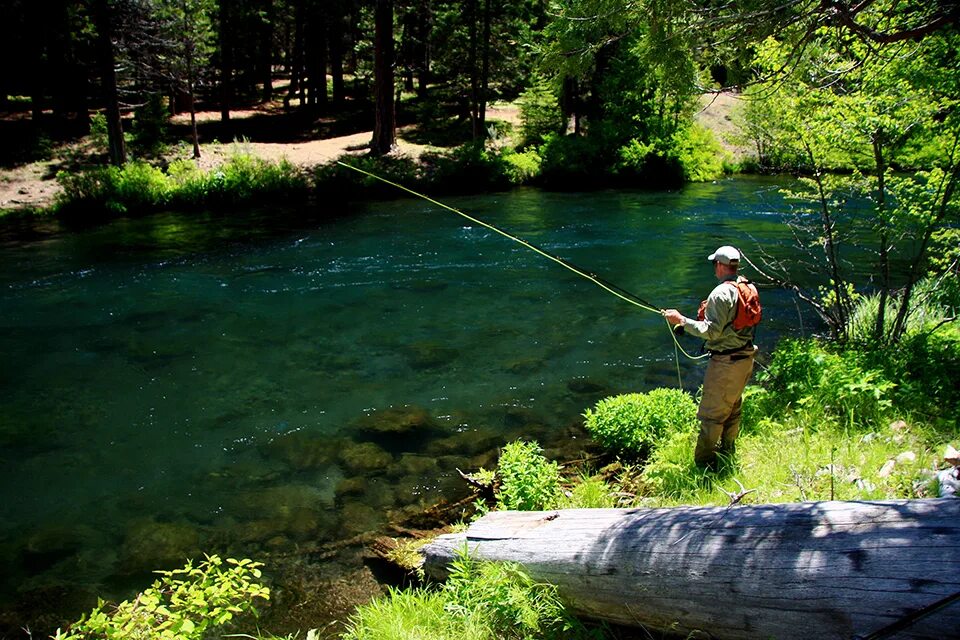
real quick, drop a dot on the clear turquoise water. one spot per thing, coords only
(185, 383)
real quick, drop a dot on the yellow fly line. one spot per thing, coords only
(625, 296)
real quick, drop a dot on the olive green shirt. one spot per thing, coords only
(717, 326)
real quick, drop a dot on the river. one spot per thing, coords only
(262, 384)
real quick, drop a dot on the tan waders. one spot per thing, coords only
(719, 411)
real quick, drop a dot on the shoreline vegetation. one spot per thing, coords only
(240, 175)
(861, 101)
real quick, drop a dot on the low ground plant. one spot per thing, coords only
(182, 605)
(480, 601)
(139, 187)
(528, 481)
(631, 425)
(841, 383)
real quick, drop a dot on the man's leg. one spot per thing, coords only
(740, 372)
(712, 413)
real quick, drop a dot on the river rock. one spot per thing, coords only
(586, 386)
(348, 487)
(429, 355)
(415, 465)
(525, 366)
(365, 458)
(149, 545)
(466, 442)
(302, 450)
(281, 501)
(356, 518)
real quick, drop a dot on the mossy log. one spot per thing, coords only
(801, 570)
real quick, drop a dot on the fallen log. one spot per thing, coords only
(801, 570)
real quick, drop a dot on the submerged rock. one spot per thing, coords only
(397, 420)
(302, 450)
(365, 458)
(411, 464)
(586, 386)
(429, 355)
(149, 545)
(356, 518)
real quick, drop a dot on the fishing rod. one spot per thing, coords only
(619, 292)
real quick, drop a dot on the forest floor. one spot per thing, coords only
(270, 132)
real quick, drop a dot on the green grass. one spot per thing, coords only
(139, 187)
(480, 601)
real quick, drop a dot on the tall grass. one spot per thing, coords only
(139, 187)
(480, 601)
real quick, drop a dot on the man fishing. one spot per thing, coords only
(727, 321)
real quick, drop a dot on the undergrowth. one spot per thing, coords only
(480, 601)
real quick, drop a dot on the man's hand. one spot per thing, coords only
(673, 316)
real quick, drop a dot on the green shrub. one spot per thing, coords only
(589, 492)
(98, 132)
(469, 168)
(181, 605)
(140, 186)
(806, 374)
(415, 613)
(507, 600)
(333, 180)
(540, 113)
(92, 188)
(926, 367)
(634, 423)
(698, 152)
(480, 601)
(522, 168)
(150, 126)
(572, 162)
(528, 481)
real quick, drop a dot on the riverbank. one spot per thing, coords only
(33, 186)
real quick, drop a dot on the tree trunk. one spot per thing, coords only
(296, 73)
(226, 62)
(472, 54)
(385, 127)
(266, 50)
(484, 72)
(317, 54)
(883, 250)
(336, 57)
(104, 24)
(811, 570)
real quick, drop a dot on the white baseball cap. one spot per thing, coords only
(725, 255)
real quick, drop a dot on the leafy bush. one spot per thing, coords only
(528, 481)
(698, 152)
(181, 605)
(573, 162)
(507, 600)
(139, 187)
(926, 367)
(522, 168)
(540, 112)
(469, 168)
(333, 180)
(840, 385)
(634, 423)
(150, 126)
(589, 492)
(480, 601)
